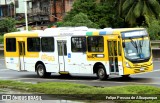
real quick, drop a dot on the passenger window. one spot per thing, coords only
(47, 44)
(78, 44)
(95, 44)
(33, 44)
(10, 44)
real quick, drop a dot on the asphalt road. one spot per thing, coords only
(151, 78)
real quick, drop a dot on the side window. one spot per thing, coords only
(95, 44)
(110, 48)
(47, 44)
(33, 44)
(78, 44)
(10, 44)
(119, 48)
(62, 48)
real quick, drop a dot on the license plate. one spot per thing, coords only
(141, 69)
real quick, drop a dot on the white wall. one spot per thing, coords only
(2, 2)
(21, 8)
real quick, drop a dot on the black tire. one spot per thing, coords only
(65, 75)
(48, 74)
(41, 71)
(125, 76)
(101, 73)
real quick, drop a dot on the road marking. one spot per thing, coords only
(155, 70)
(4, 69)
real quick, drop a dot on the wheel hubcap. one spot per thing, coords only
(101, 72)
(40, 71)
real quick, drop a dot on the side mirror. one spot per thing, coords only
(123, 44)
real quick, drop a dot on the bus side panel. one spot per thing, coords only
(12, 63)
(30, 63)
(74, 62)
(79, 64)
(50, 61)
(11, 58)
(77, 61)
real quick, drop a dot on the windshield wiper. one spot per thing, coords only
(134, 44)
(141, 44)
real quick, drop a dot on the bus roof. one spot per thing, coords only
(127, 29)
(71, 31)
(23, 33)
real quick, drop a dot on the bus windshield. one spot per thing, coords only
(136, 50)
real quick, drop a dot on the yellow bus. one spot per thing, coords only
(68, 50)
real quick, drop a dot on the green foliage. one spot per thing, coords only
(1, 39)
(115, 13)
(79, 90)
(80, 20)
(57, 24)
(153, 27)
(20, 21)
(72, 88)
(104, 14)
(7, 25)
(85, 6)
(132, 10)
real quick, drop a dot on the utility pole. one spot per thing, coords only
(14, 9)
(26, 18)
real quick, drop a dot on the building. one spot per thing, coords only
(20, 7)
(49, 10)
(37, 10)
(7, 8)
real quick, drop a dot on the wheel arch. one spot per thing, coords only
(39, 62)
(96, 65)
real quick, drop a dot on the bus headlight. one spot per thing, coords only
(127, 65)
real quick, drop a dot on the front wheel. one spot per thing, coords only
(125, 76)
(41, 71)
(101, 73)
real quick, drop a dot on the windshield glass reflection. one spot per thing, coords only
(137, 49)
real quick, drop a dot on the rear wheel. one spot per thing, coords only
(101, 73)
(41, 71)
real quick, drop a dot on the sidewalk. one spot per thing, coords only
(156, 59)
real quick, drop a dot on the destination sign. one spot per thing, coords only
(134, 34)
(66, 33)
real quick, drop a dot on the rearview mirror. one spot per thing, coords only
(123, 44)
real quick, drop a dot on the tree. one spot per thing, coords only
(135, 10)
(101, 12)
(80, 20)
(84, 6)
(7, 25)
(153, 27)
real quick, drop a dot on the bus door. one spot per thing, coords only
(62, 54)
(113, 56)
(21, 46)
